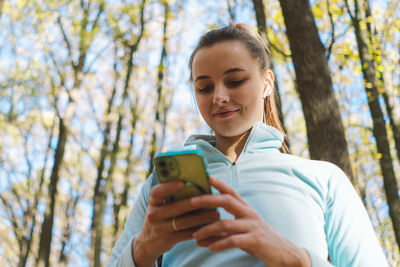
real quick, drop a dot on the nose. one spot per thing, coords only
(221, 95)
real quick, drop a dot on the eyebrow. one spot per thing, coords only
(236, 69)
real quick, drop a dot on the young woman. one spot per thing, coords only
(273, 208)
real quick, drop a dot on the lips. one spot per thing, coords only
(226, 112)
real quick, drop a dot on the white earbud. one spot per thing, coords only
(267, 89)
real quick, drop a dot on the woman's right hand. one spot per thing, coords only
(158, 234)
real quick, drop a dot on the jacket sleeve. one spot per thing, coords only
(350, 236)
(121, 254)
(317, 261)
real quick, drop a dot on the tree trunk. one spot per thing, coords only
(259, 10)
(325, 131)
(47, 226)
(161, 104)
(379, 127)
(85, 39)
(394, 124)
(384, 86)
(103, 184)
(66, 234)
(96, 219)
(121, 200)
(24, 258)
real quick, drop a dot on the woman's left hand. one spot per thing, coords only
(248, 231)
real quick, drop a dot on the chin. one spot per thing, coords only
(231, 131)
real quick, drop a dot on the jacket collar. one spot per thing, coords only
(262, 136)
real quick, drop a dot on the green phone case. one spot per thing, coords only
(188, 166)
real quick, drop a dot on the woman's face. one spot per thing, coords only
(229, 86)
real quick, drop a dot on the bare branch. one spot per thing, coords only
(329, 50)
(279, 51)
(96, 57)
(231, 9)
(13, 219)
(352, 17)
(136, 44)
(66, 40)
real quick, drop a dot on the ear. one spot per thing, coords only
(269, 83)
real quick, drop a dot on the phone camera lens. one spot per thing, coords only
(161, 164)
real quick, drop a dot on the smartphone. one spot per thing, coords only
(188, 166)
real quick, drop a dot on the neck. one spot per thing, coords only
(232, 146)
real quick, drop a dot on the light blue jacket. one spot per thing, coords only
(311, 203)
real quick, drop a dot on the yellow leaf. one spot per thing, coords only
(357, 69)
(378, 155)
(318, 12)
(368, 85)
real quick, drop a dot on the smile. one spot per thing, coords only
(225, 112)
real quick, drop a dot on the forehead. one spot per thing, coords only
(221, 56)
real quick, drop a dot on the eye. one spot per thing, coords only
(235, 83)
(205, 89)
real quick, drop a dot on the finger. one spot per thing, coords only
(223, 226)
(173, 225)
(160, 191)
(170, 210)
(183, 235)
(207, 242)
(228, 202)
(225, 189)
(241, 241)
(196, 219)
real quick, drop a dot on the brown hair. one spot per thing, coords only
(258, 48)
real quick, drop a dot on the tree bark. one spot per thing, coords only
(47, 226)
(379, 127)
(259, 10)
(325, 131)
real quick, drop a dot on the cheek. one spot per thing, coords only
(202, 103)
(249, 98)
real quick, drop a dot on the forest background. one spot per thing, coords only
(91, 90)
